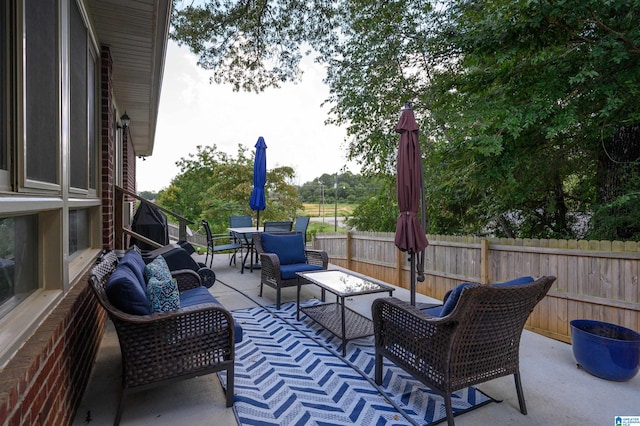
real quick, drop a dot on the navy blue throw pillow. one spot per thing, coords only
(126, 293)
(452, 300)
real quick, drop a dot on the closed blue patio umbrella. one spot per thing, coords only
(257, 201)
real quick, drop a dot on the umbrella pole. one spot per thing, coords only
(423, 217)
(258, 221)
(413, 279)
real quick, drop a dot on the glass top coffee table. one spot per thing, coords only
(336, 317)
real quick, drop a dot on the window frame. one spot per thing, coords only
(7, 51)
(26, 184)
(57, 271)
(92, 110)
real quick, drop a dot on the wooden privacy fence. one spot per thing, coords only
(595, 279)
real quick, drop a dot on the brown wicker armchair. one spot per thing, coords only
(271, 272)
(163, 347)
(478, 341)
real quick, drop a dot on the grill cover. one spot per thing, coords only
(152, 223)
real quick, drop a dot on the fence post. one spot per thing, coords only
(484, 261)
(348, 250)
(399, 257)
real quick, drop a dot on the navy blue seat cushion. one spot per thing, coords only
(436, 311)
(289, 248)
(134, 261)
(198, 295)
(288, 272)
(125, 291)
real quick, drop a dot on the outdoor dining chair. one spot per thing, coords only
(245, 240)
(300, 225)
(218, 243)
(279, 226)
(240, 222)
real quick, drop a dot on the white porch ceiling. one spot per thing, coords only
(136, 32)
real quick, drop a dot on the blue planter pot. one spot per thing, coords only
(608, 351)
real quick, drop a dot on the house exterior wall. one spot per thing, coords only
(107, 147)
(62, 151)
(44, 381)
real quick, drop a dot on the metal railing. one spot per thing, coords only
(122, 229)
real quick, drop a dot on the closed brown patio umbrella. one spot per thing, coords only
(410, 235)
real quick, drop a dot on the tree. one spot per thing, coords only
(515, 99)
(352, 188)
(148, 195)
(184, 193)
(379, 211)
(536, 89)
(213, 185)
(253, 44)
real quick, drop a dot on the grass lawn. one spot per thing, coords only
(312, 209)
(328, 226)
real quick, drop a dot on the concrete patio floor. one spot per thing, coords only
(556, 392)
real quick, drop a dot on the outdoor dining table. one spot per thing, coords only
(242, 232)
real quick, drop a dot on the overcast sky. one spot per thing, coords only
(194, 112)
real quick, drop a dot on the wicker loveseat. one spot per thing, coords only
(158, 348)
(476, 339)
(281, 256)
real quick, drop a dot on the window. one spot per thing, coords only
(49, 77)
(78, 115)
(83, 109)
(41, 91)
(78, 230)
(5, 151)
(93, 121)
(18, 260)
(4, 36)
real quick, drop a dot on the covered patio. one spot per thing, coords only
(556, 391)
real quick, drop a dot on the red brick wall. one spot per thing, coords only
(44, 382)
(107, 148)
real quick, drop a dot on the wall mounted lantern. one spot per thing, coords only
(125, 120)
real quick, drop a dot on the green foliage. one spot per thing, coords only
(184, 195)
(252, 44)
(375, 213)
(320, 227)
(513, 99)
(516, 100)
(351, 188)
(213, 185)
(148, 195)
(618, 220)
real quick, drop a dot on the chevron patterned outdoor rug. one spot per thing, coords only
(284, 376)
